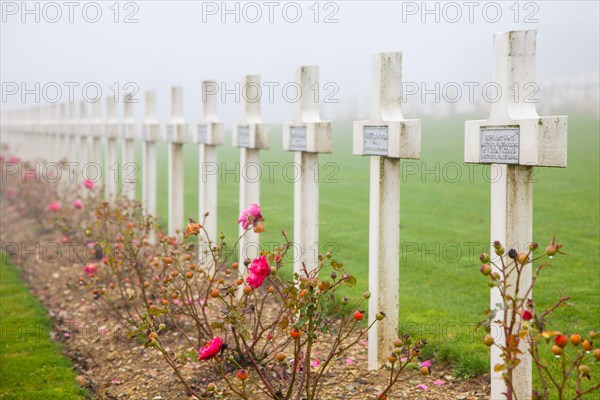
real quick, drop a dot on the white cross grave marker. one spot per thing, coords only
(54, 129)
(209, 134)
(24, 134)
(63, 140)
(307, 136)
(150, 135)
(72, 132)
(46, 133)
(515, 139)
(251, 135)
(29, 138)
(176, 135)
(95, 139)
(111, 172)
(128, 134)
(37, 144)
(84, 131)
(386, 137)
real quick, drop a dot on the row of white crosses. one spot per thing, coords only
(514, 138)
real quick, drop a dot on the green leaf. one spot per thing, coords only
(350, 281)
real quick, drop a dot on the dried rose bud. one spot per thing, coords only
(488, 340)
(485, 269)
(193, 228)
(575, 339)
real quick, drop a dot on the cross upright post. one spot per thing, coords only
(386, 137)
(63, 132)
(45, 132)
(209, 135)
(150, 135)
(515, 140)
(251, 135)
(54, 131)
(111, 131)
(307, 136)
(84, 131)
(97, 133)
(72, 138)
(128, 135)
(176, 135)
(35, 124)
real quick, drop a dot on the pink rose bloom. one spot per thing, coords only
(30, 176)
(65, 239)
(14, 159)
(78, 204)
(90, 268)
(211, 349)
(250, 216)
(54, 206)
(259, 270)
(88, 184)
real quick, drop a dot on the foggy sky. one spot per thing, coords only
(175, 43)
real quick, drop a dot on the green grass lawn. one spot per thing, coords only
(442, 294)
(31, 365)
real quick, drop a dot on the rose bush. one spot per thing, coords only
(523, 324)
(260, 327)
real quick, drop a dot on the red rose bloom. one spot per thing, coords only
(527, 315)
(211, 349)
(259, 271)
(90, 268)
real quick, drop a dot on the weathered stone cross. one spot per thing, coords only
(209, 135)
(111, 167)
(386, 137)
(84, 134)
(176, 135)
(63, 132)
(129, 133)
(307, 136)
(515, 139)
(251, 135)
(150, 135)
(71, 133)
(97, 132)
